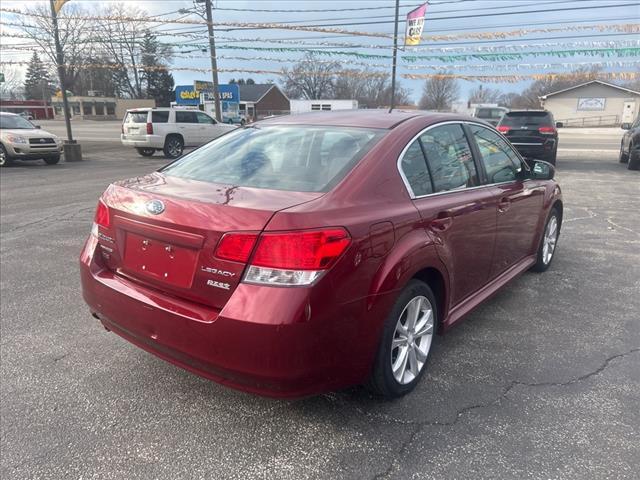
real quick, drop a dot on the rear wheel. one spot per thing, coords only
(173, 146)
(146, 152)
(5, 159)
(624, 156)
(634, 160)
(52, 159)
(407, 337)
(547, 247)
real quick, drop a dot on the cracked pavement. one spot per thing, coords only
(541, 382)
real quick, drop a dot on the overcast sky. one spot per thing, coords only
(461, 16)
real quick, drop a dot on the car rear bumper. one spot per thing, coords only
(148, 141)
(274, 351)
(536, 149)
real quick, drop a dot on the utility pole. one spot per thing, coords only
(395, 59)
(214, 61)
(72, 150)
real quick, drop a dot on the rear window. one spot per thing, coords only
(522, 119)
(136, 117)
(160, 117)
(489, 113)
(303, 159)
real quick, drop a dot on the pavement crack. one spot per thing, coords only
(419, 426)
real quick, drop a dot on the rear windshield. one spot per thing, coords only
(489, 113)
(136, 117)
(303, 159)
(521, 119)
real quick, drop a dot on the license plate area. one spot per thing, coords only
(159, 260)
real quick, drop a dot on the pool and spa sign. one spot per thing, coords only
(415, 24)
(190, 94)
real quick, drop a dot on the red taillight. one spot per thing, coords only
(236, 246)
(149, 128)
(503, 129)
(306, 250)
(102, 215)
(547, 130)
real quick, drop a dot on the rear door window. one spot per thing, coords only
(136, 117)
(449, 158)
(186, 117)
(204, 118)
(500, 162)
(414, 169)
(161, 116)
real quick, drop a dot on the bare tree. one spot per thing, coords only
(310, 79)
(73, 38)
(12, 87)
(439, 92)
(370, 88)
(484, 95)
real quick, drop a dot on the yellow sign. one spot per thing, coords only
(57, 5)
(415, 24)
(190, 94)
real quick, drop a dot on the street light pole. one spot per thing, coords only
(395, 59)
(214, 61)
(60, 62)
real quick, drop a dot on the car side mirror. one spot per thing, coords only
(541, 170)
(626, 126)
(38, 127)
(559, 124)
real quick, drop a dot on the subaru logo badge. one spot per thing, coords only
(155, 207)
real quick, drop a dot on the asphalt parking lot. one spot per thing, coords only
(541, 382)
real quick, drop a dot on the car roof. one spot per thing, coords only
(374, 118)
(10, 114)
(529, 111)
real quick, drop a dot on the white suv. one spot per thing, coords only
(169, 130)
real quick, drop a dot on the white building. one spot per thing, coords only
(304, 106)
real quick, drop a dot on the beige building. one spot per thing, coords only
(594, 103)
(99, 108)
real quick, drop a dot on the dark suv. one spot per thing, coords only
(630, 145)
(532, 132)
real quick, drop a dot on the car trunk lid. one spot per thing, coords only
(164, 231)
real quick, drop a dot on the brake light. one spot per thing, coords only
(503, 129)
(296, 258)
(236, 246)
(102, 215)
(149, 128)
(547, 130)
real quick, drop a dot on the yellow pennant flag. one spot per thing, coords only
(57, 5)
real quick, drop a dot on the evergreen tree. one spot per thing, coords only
(159, 82)
(37, 80)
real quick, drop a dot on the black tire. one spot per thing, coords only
(173, 146)
(542, 260)
(624, 156)
(146, 152)
(634, 160)
(52, 159)
(243, 122)
(5, 159)
(382, 380)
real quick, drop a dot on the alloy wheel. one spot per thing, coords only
(174, 147)
(3, 157)
(550, 239)
(412, 340)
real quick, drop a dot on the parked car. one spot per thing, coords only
(169, 130)
(22, 140)
(533, 132)
(490, 114)
(311, 252)
(231, 118)
(630, 145)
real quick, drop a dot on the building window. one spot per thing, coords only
(99, 108)
(87, 109)
(76, 109)
(111, 109)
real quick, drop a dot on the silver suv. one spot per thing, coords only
(22, 140)
(169, 130)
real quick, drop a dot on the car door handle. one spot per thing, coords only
(504, 205)
(442, 223)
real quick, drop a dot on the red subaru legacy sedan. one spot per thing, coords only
(307, 253)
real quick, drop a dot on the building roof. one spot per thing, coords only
(544, 97)
(254, 93)
(373, 118)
